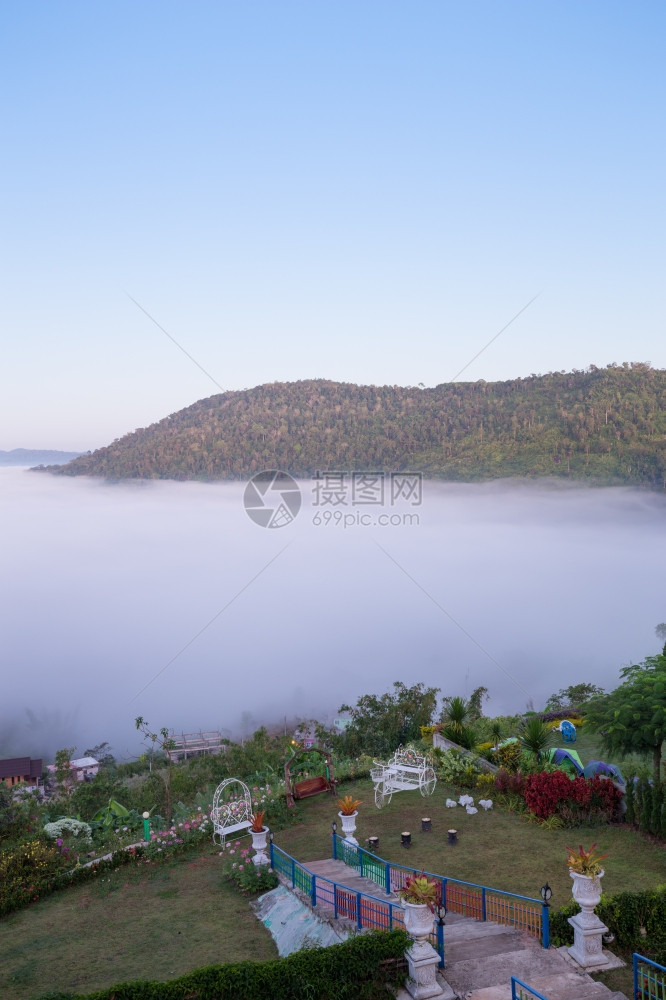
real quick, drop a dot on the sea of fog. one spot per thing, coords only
(166, 600)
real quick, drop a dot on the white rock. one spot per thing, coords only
(466, 800)
(471, 810)
(451, 804)
(486, 803)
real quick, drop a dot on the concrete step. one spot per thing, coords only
(338, 871)
(527, 963)
(561, 986)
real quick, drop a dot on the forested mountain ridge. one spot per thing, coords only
(602, 424)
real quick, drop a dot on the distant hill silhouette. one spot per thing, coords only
(604, 424)
(35, 456)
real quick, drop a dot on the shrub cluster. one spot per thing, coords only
(646, 806)
(457, 769)
(512, 782)
(574, 800)
(242, 872)
(571, 714)
(508, 756)
(41, 879)
(358, 969)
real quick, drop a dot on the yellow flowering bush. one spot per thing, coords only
(25, 867)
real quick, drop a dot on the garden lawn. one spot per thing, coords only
(147, 922)
(496, 848)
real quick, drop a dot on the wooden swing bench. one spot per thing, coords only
(311, 786)
(308, 786)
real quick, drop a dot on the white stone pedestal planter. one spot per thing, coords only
(349, 827)
(587, 949)
(422, 958)
(259, 845)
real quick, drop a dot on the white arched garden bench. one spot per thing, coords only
(232, 809)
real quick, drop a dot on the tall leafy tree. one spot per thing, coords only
(380, 723)
(166, 743)
(632, 718)
(476, 700)
(64, 776)
(573, 696)
(660, 632)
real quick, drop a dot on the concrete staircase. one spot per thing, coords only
(481, 956)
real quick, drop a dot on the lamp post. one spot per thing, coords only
(546, 894)
(440, 913)
(146, 826)
(334, 831)
(270, 847)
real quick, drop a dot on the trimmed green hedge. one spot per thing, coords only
(637, 919)
(358, 968)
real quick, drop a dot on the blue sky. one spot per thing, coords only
(363, 191)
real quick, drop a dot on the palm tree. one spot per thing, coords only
(455, 718)
(535, 736)
(496, 733)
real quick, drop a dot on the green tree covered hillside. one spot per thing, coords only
(606, 425)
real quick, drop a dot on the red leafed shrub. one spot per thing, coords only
(508, 781)
(544, 790)
(575, 800)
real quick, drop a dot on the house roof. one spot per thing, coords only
(84, 762)
(20, 766)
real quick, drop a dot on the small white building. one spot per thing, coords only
(85, 768)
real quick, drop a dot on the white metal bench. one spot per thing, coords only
(406, 770)
(232, 809)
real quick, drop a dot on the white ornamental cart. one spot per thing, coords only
(405, 770)
(232, 809)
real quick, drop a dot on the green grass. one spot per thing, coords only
(149, 923)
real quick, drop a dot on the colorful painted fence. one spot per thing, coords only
(649, 979)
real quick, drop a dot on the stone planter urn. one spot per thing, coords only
(349, 827)
(422, 958)
(259, 845)
(587, 948)
(419, 920)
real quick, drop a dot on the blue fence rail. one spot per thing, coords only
(365, 910)
(649, 979)
(521, 991)
(467, 898)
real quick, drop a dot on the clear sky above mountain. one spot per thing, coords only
(359, 191)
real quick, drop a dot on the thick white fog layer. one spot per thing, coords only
(104, 584)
